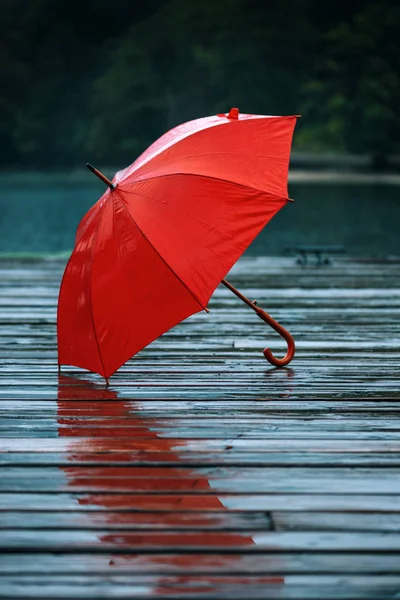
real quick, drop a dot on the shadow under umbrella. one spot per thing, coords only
(157, 515)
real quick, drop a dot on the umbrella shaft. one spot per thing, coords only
(239, 295)
(101, 176)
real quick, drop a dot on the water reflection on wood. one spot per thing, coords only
(154, 496)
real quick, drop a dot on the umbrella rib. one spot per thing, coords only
(117, 194)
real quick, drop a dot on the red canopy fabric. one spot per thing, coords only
(151, 252)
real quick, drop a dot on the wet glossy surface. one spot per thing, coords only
(201, 472)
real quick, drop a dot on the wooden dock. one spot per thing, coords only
(203, 472)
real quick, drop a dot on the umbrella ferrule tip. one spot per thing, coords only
(233, 113)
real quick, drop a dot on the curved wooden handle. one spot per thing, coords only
(277, 362)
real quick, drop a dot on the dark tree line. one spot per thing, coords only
(102, 79)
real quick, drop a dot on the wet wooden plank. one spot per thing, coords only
(267, 562)
(211, 426)
(232, 586)
(235, 521)
(329, 445)
(206, 500)
(227, 480)
(129, 541)
(155, 407)
(196, 460)
(273, 433)
(17, 423)
(330, 521)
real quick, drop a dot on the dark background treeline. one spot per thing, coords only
(101, 79)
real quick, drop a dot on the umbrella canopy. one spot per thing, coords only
(155, 246)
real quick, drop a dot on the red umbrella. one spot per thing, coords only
(152, 250)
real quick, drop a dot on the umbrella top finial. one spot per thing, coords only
(233, 114)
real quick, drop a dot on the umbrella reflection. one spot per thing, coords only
(158, 505)
(284, 380)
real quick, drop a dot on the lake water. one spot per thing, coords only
(40, 214)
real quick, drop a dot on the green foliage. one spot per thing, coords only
(352, 100)
(104, 79)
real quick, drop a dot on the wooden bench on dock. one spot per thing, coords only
(203, 472)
